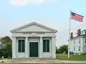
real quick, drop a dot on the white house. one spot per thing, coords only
(33, 41)
(78, 44)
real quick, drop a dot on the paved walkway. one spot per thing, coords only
(40, 61)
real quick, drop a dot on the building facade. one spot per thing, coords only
(78, 44)
(33, 40)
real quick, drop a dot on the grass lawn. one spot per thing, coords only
(72, 57)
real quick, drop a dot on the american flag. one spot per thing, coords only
(77, 17)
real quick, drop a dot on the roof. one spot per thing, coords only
(33, 23)
(78, 36)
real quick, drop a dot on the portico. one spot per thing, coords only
(33, 40)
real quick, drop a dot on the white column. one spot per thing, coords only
(40, 48)
(14, 50)
(26, 48)
(53, 47)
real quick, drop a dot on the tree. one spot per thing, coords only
(63, 48)
(6, 46)
(57, 50)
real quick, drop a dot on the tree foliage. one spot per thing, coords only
(6, 47)
(62, 49)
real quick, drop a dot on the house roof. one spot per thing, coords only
(78, 37)
(33, 23)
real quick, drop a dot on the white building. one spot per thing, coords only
(78, 44)
(33, 40)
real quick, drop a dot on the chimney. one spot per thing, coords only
(78, 32)
(71, 35)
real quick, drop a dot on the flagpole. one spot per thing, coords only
(69, 36)
(76, 17)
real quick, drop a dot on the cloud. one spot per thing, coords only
(35, 1)
(18, 2)
(51, 1)
(25, 2)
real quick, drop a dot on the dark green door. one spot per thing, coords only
(33, 49)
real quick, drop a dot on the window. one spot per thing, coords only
(79, 40)
(74, 48)
(21, 45)
(74, 41)
(79, 48)
(85, 40)
(46, 45)
(85, 32)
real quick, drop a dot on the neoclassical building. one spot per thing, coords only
(33, 40)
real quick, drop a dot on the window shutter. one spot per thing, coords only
(19, 45)
(23, 45)
(47, 45)
(44, 45)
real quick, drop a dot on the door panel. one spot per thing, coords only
(33, 49)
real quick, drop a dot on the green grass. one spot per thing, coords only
(72, 57)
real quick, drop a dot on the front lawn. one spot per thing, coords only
(72, 57)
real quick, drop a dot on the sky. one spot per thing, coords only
(52, 13)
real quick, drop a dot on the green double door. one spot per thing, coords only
(33, 49)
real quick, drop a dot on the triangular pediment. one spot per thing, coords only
(33, 27)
